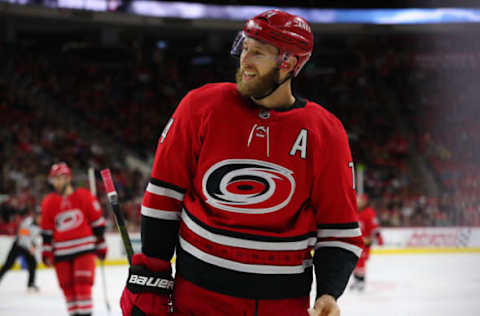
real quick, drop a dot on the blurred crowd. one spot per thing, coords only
(436, 83)
(402, 99)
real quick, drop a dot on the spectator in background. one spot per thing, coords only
(9, 219)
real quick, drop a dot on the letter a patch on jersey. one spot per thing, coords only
(300, 144)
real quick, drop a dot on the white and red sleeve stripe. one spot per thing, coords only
(347, 236)
(161, 210)
(162, 201)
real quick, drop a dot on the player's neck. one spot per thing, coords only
(68, 190)
(281, 98)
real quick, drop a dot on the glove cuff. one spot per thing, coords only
(151, 263)
(47, 249)
(100, 243)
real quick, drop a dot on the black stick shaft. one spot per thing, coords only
(122, 228)
(119, 220)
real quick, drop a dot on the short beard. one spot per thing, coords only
(61, 190)
(259, 86)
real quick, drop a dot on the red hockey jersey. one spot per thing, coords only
(368, 224)
(69, 223)
(245, 193)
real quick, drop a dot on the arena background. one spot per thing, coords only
(93, 82)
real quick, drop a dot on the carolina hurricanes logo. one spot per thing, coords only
(68, 220)
(248, 186)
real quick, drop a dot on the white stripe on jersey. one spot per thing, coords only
(98, 222)
(84, 311)
(74, 242)
(352, 232)
(340, 244)
(245, 243)
(85, 273)
(47, 248)
(155, 189)
(167, 215)
(243, 267)
(70, 251)
(101, 245)
(84, 303)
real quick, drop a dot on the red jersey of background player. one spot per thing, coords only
(370, 233)
(369, 226)
(73, 231)
(71, 221)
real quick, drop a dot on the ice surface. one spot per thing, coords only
(397, 285)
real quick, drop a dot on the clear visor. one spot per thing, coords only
(237, 45)
(52, 177)
(237, 48)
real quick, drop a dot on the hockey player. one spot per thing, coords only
(371, 233)
(247, 180)
(72, 229)
(25, 245)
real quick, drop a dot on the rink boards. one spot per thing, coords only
(397, 241)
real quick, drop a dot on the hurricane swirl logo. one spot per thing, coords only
(248, 186)
(68, 220)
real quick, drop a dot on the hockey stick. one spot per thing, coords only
(120, 221)
(107, 303)
(91, 181)
(93, 189)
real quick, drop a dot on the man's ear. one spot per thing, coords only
(289, 64)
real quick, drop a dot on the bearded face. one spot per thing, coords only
(252, 84)
(60, 183)
(257, 73)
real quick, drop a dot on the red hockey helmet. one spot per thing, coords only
(59, 169)
(291, 34)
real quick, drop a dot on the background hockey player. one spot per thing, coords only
(247, 180)
(72, 228)
(25, 244)
(371, 233)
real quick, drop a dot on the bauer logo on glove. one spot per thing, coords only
(142, 280)
(151, 281)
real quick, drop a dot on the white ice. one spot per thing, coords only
(397, 285)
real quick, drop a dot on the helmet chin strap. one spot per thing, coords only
(63, 190)
(275, 85)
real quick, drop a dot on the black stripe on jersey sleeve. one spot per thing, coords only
(167, 185)
(47, 238)
(247, 236)
(159, 237)
(333, 267)
(98, 231)
(351, 225)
